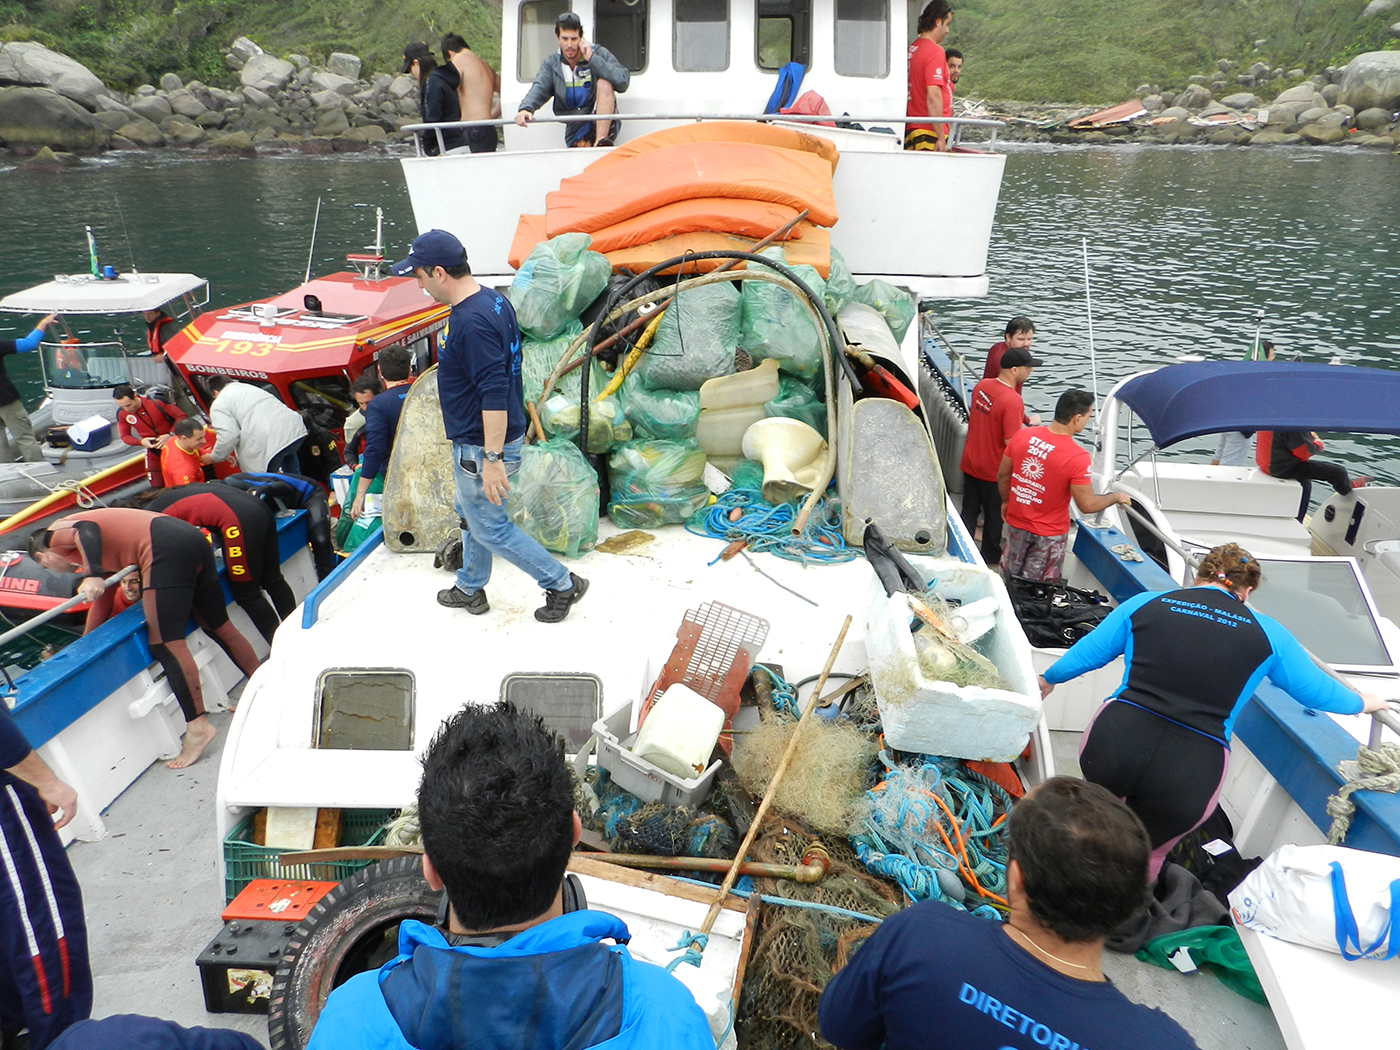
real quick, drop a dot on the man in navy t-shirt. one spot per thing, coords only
(935, 978)
(483, 409)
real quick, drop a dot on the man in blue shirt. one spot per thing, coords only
(515, 959)
(382, 420)
(483, 409)
(934, 978)
(13, 414)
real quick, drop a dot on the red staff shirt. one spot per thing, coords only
(993, 418)
(1043, 467)
(928, 67)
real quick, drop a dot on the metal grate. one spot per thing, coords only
(716, 647)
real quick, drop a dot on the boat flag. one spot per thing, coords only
(92, 252)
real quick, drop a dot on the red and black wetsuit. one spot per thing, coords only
(179, 575)
(247, 529)
(150, 418)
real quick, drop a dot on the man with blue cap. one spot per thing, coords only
(483, 410)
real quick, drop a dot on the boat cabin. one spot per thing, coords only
(309, 344)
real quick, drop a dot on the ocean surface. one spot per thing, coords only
(1185, 247)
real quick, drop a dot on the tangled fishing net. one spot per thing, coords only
(829, 772)
(945, 658)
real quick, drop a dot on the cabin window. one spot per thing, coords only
(863, 38)
(784, 33)
(364, 709)
(622, 29)
(568, 703)
(326, 398)
(422, 355)
(701, 36)
(200, 382)
(537, 18)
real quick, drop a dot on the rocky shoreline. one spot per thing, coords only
(53, 109)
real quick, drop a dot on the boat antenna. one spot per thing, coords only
(1256, 352)
(315, 223)
(92, 253)
(125, 232)
(1089, 309)
(378, 231)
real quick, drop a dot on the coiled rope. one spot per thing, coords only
(768, 529)
(1382, 768)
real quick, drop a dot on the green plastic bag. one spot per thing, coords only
(1216, 949)
(656, 482)
(538, 358)
(695, 341)
(897, 307)
(607, 426)
(840, 285)
(351, 532)
(556, 283)
(777, 325)
(662, 413)
(554, 497)
(797, 400)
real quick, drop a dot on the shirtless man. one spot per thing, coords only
(475, 92)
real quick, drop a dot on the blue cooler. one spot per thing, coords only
(90, 434)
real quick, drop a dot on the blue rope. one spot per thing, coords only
(787, 902)
(768, 529)
(691, 944)
(784, 696)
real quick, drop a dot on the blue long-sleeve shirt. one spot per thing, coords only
(1197, 655)
(479, 368)
(381, 427)
(9, 393)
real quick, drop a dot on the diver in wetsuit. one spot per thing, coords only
(1193, 659)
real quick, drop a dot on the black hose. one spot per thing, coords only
(621, 294)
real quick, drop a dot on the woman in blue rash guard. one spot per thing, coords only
(1192, 659)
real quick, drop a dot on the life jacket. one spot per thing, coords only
(153, 337)
(67, 357)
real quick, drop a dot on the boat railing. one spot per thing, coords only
(959, 123)
(311, 606)
(1382, 720)
(47, 615)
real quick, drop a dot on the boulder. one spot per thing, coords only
(1212, 109)
(121, 142)
(1372, 119)
(1143, 89)
(33, 65)
(1179, 132)
(1302, 93)
(1395, 30)
(1373, 141)
(344, 65)
(373, 133)
(1286, 112)
(406, 86)
(1332, 93)
(300, 61)
(1321, 135)
(1175, 113)
(1194, 97)
(113, 121)
(1218, 85)
(327, 81)
(1312, 114)
(1246, 80)
(1294, 74)
(180, 132)
(239, 142)
(1223, 137)
(211, 119)
(332, 122)
(1224, 65)
(316, 145)
(47, 158)
(1198, 79)
(152, 107)
(107, 104)
(1242, 100)
(329, 100)
(267, 73)
(171, 82)
(346, 144)
(1259, 69)
(1372, 80)
(142, 133)
(42, 117)
(1153, 104)
(257, 99)
(1268, 137)
(1333, 118)
(1377, 7)
(290, 138)
(1089, 138)
(186, 105)
(243, 50)
(145, 91)
(379, 82)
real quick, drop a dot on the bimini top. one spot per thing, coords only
(82, 293)
(1186, 401)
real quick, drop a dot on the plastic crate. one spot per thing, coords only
(637, 775)
(245, 861)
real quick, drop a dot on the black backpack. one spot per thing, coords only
(1055, 614)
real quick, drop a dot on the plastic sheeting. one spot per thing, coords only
(776, 323)
(667, 414)
(695, 341)
(556, 282)
(554, 497)
(656, 483)
(895, 306)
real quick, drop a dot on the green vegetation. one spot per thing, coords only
(1033, 50)
(1101, 50)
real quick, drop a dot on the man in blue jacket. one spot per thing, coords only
(382, 420)
(483, 409)
(13, 414)
(509, 964)
(581, 78)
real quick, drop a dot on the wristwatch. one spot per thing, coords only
(490, 457)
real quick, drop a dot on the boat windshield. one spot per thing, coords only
(326, 398)
(73, 365)
(1325, 605)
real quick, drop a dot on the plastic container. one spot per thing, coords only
(680, 732)
(754, 387)
(245, 860)
(720, 432)
(90, 434)
(648, 782)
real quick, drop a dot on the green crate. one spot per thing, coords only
(245, 861)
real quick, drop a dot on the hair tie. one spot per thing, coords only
(1222, 576)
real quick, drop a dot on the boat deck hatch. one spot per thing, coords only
(568, 703)
(365, 709)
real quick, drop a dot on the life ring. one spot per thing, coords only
(353, 928)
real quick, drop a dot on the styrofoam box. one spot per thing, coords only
(639, 776)
(938, 718)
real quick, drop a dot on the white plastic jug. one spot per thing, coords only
(754, 387)
(720, 432)
(679, 733)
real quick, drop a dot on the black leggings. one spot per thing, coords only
(1305, 472)
(983, 497)
(1170, 776)
(264, 565)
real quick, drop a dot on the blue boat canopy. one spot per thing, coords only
(1211, 397)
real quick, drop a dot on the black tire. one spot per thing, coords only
(351, 929)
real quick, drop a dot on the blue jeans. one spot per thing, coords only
(490, 529)
(287, 461)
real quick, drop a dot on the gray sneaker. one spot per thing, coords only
(476, 604)
(557, 603)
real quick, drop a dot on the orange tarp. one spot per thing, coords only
(604, 196)
(724, 131)
(806, 244)
(708, 214)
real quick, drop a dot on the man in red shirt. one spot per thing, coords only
(145, 423)
(930, 89)
(993, 417)
(180, 458)
(1043, 469)
(1019, 334)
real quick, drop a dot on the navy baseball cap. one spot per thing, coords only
(1012, 358)
(434, 248)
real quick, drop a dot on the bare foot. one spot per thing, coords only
(199, 734)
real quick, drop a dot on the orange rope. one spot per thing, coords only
(964, 865)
